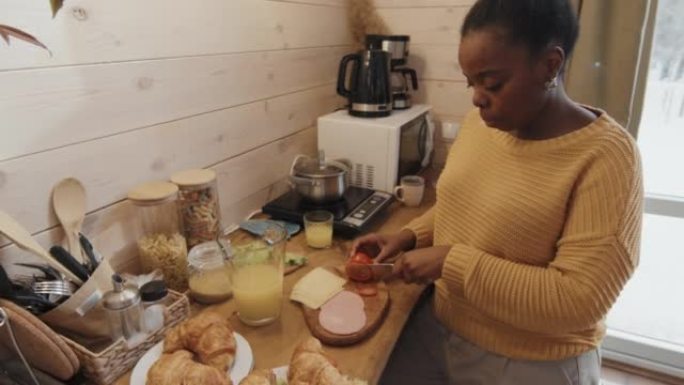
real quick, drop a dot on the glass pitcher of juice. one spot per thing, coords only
(257, 274)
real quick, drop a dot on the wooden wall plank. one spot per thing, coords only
(436, 62)
(329, 3)
(50, 108)
(422, 3)
(105, 31)
(108, 167)
(431, 26)
(446, 97)
(246, 182)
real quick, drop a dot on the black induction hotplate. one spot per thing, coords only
(352, 214)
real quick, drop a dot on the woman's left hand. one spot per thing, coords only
(421, 265)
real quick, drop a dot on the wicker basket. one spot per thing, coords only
(107, 366)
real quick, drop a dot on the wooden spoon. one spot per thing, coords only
(69, 203)
(24, 240)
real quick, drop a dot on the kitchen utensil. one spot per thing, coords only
(63, 288)
(369, 94)
(354, 213)
(401, 87)
(19, 235)
(47, 270)
(319, 180)
(376, 308)
(41, 346)
(124, 312)
(89, 250)
(381, 271)
(396, 45)
(67, 260)
(69, 203)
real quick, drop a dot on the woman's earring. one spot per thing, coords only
(551, 84)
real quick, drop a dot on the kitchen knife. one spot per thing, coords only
(67, 260)
(381, 271)
(376, 271)
(89, 251)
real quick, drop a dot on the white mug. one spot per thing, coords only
(410, 190)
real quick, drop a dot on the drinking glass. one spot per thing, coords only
(318, 228)
(257, 274)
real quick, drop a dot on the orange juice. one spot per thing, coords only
(258, 293)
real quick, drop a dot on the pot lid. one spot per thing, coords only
(315, 168)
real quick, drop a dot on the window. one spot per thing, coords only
(646, 326)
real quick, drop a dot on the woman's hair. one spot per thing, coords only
(535, 23)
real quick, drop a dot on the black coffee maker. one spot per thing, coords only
(403, 79)
(369, 94)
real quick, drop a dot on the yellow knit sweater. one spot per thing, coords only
(544, 234)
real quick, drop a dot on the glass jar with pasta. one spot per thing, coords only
(199, 205)
(161, 244)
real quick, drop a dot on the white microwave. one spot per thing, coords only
(381, 150)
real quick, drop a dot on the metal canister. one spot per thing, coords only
(124, 312)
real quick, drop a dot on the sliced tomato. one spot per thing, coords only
(359, 272)
(367, 289)
(362, 258)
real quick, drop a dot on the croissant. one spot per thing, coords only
(259, 377)
(178, 368)
(208, 335)
(310, 365)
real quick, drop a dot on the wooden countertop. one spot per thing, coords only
(273, 344)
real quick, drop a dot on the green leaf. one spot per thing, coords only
(6, 32)
(56, 5)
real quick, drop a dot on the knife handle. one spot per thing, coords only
(89, 251)
(67, 260)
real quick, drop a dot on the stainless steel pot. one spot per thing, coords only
(319, 180)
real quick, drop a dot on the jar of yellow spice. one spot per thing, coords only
(161, 244)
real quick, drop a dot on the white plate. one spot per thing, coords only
(244, 360)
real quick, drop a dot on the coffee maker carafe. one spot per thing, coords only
(369, 94)
(403, 79)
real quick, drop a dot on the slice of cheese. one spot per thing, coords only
(317, 287)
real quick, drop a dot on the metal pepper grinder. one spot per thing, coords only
(124, 312)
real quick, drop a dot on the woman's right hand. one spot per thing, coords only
(384, 246)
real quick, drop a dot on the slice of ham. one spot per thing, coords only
(343, 314)
(341, 322)
(345, 300)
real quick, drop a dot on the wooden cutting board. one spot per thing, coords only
(41, 346)
(376, 308)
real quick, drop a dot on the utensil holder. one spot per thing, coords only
(106, 366)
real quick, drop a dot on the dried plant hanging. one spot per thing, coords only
(363, 19)
(7, 31)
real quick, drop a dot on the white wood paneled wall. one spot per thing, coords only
(434, 27)
(134, 91)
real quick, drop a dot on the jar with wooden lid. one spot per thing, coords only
(161, 244)
(199, 204)
(209, 273)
